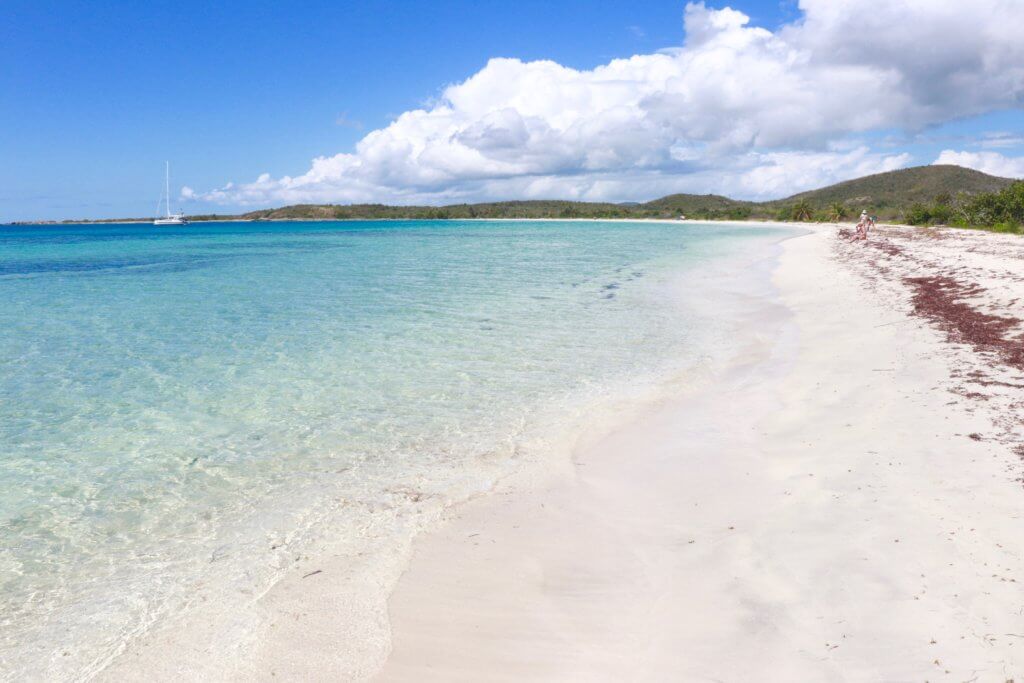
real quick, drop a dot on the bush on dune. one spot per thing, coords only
(917, 214)
(1004, 208)
(1001, 211)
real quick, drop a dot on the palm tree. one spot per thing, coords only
(836, 212)
(802, 211)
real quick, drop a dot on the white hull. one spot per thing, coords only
(173, 220)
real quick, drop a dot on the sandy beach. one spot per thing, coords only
(844, 504)
(840, 499)
(549, 344)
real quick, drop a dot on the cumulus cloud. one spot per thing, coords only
(992, 163)
(736, 108)
(781, 173)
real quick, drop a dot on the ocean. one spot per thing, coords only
(185, 411)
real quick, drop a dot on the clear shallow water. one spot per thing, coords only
(182, 407)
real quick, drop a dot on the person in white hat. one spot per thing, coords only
(862, 226)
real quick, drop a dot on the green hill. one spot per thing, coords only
(893, 192)
(888, 194)
(513, 209)
(703, 205)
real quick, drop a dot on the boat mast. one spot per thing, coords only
(167, 177)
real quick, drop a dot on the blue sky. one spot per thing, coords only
(97, 95)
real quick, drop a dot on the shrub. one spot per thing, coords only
(941, 214)
(994, 208)
(917, 214)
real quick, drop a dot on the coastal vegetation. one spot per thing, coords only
(924, 195)
(1001, 211)
(837, 212)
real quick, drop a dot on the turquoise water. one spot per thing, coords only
(186, 407)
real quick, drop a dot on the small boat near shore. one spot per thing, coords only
(170, 218)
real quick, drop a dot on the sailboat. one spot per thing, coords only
(171, 218)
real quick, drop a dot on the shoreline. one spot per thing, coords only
(685, 221)
(395, 220)
(767, 222)
(532, 578)
(821, 510)
(326, 594)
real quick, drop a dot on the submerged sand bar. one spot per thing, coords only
(837, 507)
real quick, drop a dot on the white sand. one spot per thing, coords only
(821, 514)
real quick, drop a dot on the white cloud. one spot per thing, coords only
(1001, 139)
(992, 163)
(740, 108)
(754, 175)
(782, 173)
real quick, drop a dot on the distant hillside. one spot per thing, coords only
(890, 195)
(710, 205)
(893, 192)
(515, 209)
